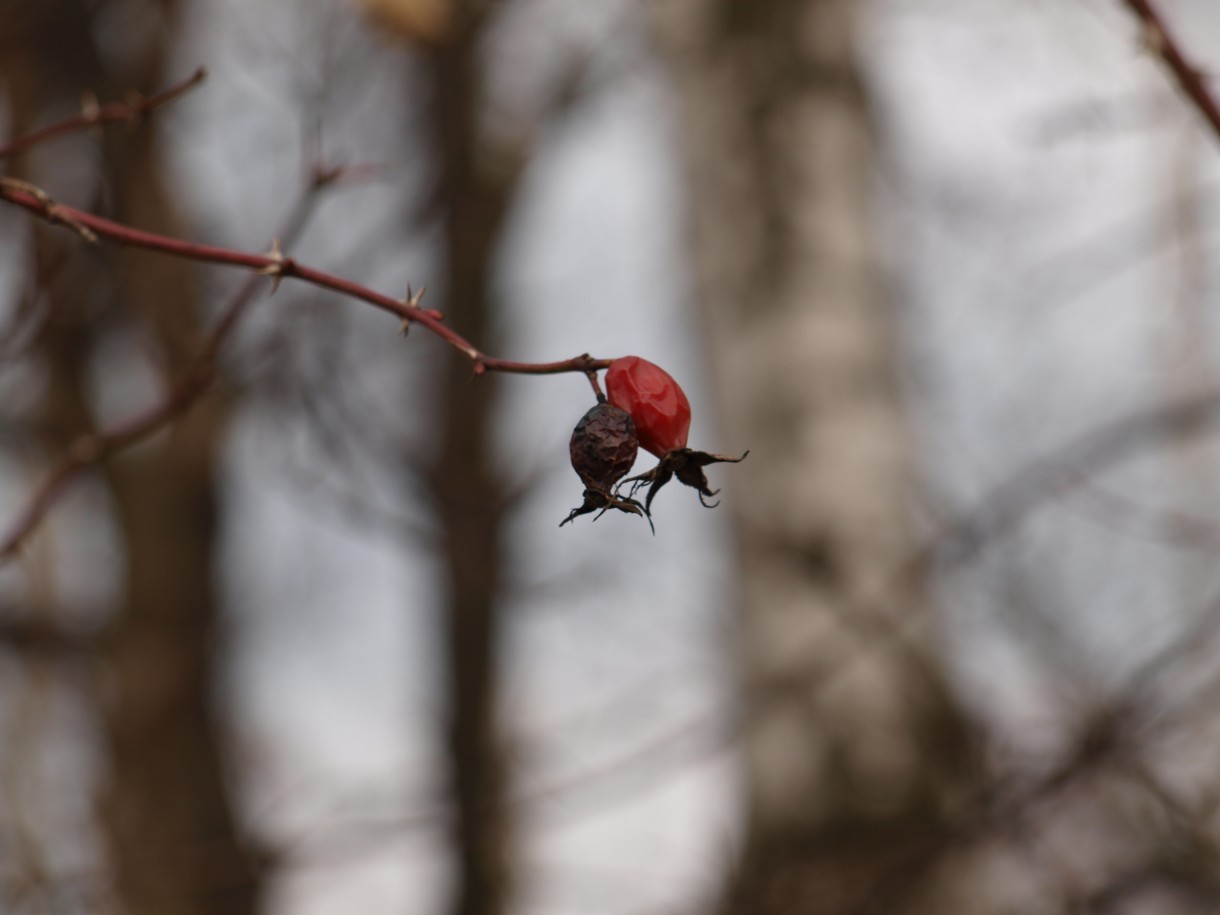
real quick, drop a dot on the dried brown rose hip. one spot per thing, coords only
(603, 446)
(603, 449)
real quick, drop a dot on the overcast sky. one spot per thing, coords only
(1035, 168)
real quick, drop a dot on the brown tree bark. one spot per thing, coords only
(166, 811)
(852, 743)
(471, 493)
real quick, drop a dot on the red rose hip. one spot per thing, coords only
(662, 421)
(655, 401)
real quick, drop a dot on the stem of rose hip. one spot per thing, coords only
(591, 374)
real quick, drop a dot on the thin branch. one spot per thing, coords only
(131, 111)
(1013, 500)
(278, 266)
(91, 448)
(1190, 79)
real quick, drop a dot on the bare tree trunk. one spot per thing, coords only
(470, 492)
(850, 738)
(166, 812)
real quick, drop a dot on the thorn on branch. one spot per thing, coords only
(412, 302)
(49, 209)
(280, 267)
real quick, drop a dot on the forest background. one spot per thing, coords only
(287, 622)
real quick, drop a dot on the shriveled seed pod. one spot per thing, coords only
(603, 446)
(603, 449)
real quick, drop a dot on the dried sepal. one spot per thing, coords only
(687, 465)
(601, 502)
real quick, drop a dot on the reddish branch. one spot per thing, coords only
(93, 448)
(135, 108)
(1190, 79)
(199, 376)
(191, 385)
(276, 265)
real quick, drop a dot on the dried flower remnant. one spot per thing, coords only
(687, 465)
(603, 449)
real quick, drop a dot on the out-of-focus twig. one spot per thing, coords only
(132, 110)
(92, 448)
(191, 385)
(1190, 79)
(1013, 500)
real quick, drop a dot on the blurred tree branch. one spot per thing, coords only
(194, 381)
(277, 265)
(132, 111)
(1159, 40)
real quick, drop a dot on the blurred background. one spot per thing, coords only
(946, 267)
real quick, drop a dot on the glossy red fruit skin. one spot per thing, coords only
(655, 401)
